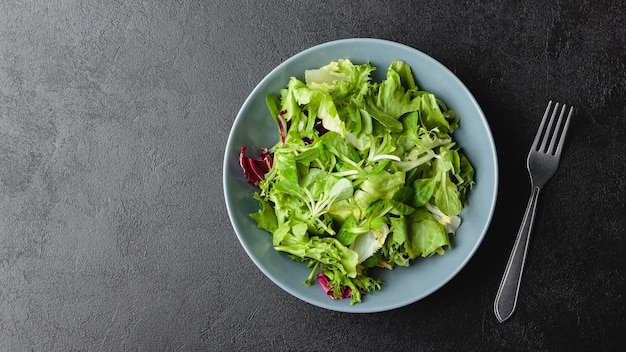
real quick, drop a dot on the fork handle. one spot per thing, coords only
(506, 298)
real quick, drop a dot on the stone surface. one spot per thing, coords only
(114, 234)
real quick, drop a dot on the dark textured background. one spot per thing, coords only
(114, 115)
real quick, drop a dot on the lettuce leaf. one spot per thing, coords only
(396, 94)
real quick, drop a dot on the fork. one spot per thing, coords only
(542, 163)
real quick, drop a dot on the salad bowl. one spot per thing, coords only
(255, 128)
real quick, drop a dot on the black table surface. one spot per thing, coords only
(114, 234)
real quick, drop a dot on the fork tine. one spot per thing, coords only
(548, 132)
(555, 136)
(539, 131)
(559, 148)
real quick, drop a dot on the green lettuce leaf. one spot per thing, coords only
(327, 251)
(396, 93)
(426, 236)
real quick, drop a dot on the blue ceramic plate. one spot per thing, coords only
(255, 128)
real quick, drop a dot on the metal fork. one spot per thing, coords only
(542, 163)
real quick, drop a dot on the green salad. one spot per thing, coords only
(364, 174)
